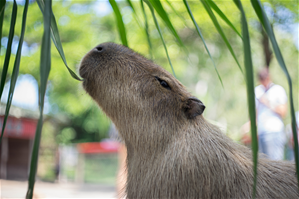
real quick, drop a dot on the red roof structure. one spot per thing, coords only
(23, 128)
(106, 146)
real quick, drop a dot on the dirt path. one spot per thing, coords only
(17, 190)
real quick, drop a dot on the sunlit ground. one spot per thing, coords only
(17, 189)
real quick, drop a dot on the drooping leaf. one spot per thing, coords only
(220, 31)
(56, 39)
(146, 30)
(178, 14)
(120, 23)
(15, 71)
(160, 33)
(134, 11)
(256, 4)
(250, 91)
(8, 48)
(2, 8)
(224, 18)
(200, 35)
(162, 13)
(45, 66)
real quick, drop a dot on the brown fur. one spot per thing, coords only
(173, 152)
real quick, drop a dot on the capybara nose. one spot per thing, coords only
(100, 48)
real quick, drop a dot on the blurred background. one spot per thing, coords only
(76, 152)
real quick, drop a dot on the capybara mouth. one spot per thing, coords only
(87, 66)
(83, 71)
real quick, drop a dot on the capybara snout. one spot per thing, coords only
(96, 58)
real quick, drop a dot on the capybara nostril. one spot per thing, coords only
(99, 48)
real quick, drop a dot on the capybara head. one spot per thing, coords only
(136, 93)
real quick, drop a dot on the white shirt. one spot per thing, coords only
(267, 120)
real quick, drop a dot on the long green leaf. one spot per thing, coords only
(2, 6)
(224, 18)
(199, 33)
(178, 14)
(146, 30)
(120, 23)
(162, 13)
(45, 66)
(8, 48)
(220, 31)
(56, 39)
(256, 4)
(2, 9)
(250, 91)
(160, 33)
(135, 13)
(16, 67)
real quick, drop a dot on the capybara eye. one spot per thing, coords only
(163, 83)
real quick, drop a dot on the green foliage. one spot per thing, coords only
(66, 135)
(120, 23)
(250, 90)
(199, 33)
(9, 43)
(5, 67)
(2, 6)
(159, 29)
(45, 67)
(218, 27)
(56, 39)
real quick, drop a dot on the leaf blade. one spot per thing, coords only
(160, 33)
(8, 48)
(135, 13)
(146, 30)
(16, 67)
(220, 31)
(2, 9)
(162, 13)
(224, 18)
(45, 66)
(178, 14)
(56, 40)
(250, 91)
(120, 23)
(256, 4)
(201, 36)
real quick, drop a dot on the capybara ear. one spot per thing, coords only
(193, 107)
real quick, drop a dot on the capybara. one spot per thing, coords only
(172, 151)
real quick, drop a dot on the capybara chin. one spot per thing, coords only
(173, 152)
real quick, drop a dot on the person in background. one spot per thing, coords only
(271, 108)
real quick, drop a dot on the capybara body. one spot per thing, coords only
(173, 152)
